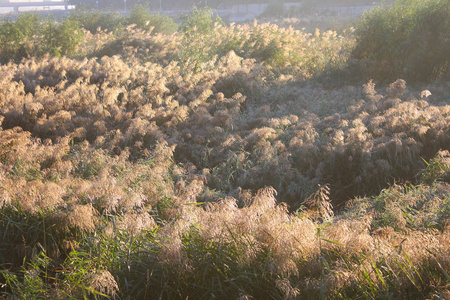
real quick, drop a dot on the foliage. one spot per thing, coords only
(199, 20)
(60, 38)
(148, 172)
(144, 19)
(92, 20)
(29, 35)
(15, 36)
(407, 39)
(437, 168)
(285, 51)
(141, 16)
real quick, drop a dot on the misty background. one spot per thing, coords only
(231, 10)
(215, 4)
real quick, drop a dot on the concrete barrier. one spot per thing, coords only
(18, 5)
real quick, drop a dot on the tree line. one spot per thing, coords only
(186, 4)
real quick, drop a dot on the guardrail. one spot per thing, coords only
(43, 4)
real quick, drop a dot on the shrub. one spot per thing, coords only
(200, 20)
(91, 20)
(144, 19)
(408, 39)
(29, 35)
(15, 36)
(61, 38)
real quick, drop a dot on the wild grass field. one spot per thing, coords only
(145, 159)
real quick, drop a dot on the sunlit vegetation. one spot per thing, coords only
(145, 159)
(408, 39)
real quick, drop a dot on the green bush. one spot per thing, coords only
(408, 39)
(60, 38)
(91, 20)
(200, 20)
(144, 19)
(29, 36)
(199, 45)
(15, 36)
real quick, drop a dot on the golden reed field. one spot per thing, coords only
(220, 161)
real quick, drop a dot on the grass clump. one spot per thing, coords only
(407, 39)
(437, 168)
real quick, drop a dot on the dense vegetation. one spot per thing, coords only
(183, 4)
(409, 38)
(148, 159)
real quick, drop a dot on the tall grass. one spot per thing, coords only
(215, 164)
